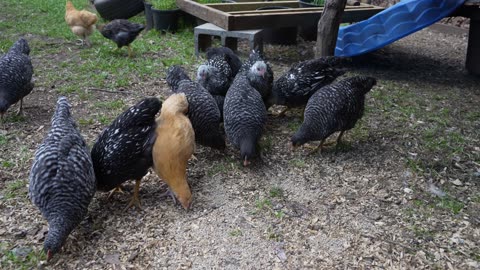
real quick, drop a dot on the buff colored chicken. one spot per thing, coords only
(81, 22)
(174, 145)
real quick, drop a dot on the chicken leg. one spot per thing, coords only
(20, 109)
(316, 149)
(170, 194)
(115, 190)
(339, 138)
(135, 201)
(130, 54)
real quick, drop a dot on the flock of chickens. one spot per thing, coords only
(65, 175)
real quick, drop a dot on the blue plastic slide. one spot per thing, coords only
(394, 23)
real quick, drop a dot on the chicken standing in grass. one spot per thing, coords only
(202, 108)
(124, 149)
(16, 73)
(81, 22)
(244, 113)
(122, 32)
(335, 107)
(301, 81)
(173, 147)
(62, 180)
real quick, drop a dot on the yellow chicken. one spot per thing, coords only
(173, 147)
(81, 22)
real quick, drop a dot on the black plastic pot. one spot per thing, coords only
(118, 9)
(279, 36)
(165, 20)
(148, 16)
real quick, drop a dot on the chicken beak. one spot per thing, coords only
(246, 162)
(49, 255)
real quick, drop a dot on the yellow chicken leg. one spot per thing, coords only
(339, 139)
(135, 201)
(20, 109)
(130, 54)
(115, 190)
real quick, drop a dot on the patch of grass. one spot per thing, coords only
(476, 199)
(276, 192)
(263, 204)
(450, 203)
(217, 168)
(15, 118)
(12, 261)
(235, 233)
(111, 105)
(279, 214)
(294, 125)
(85, 122)
(3, 140)
(423, 233)
(15, 188)
(105, 120)
(296, 162)
(8, 164)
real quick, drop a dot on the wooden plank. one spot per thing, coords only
(253, 21)
(206, 13)
(228, 7)
(289, 10)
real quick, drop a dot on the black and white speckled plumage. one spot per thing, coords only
(232, 59)
(16, 73)
(203, 110)
(302, 80)
(121, 31)
(62, 181)
(335, 107)
(215, 75)
(244, 117)
(262, 84)
(124, 149)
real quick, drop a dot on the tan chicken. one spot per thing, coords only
(173, 147)
(81, 22)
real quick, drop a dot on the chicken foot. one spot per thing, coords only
(170, 194)
(115, 190)
(135, 201)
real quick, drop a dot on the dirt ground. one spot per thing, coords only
(382, 200)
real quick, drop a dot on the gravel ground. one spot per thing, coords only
(381, 200)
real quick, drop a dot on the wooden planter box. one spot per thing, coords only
(244, 16)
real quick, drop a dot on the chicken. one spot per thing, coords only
(262, 78)
(203, 110)
(244, 113)
(335, 107)
(173, 147)
(81, 22)
(220, 101)
(62, 181)
(16, 73)
(233, 60)
(124, 149)
(215, 75)
(122, 32)
(301, 81)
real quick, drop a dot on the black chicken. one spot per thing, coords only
(220, 101)
(122, 32)
(244, 114)
(215, 75)
(335, 107)
(202, 110)
(232, 59)
(16, 73)
(260, 75)
(62, 180)
(300, 82)
(124, 149)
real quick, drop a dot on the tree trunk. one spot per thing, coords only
(328, 27)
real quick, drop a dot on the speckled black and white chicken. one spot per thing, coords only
(215, 75)
(122, 32)
(16, 73)
(301, 81)
(124, 149)
(244, 114)
(335, 107)
(260, 75)
(232, 59)
(62, 181)
(202, 108)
